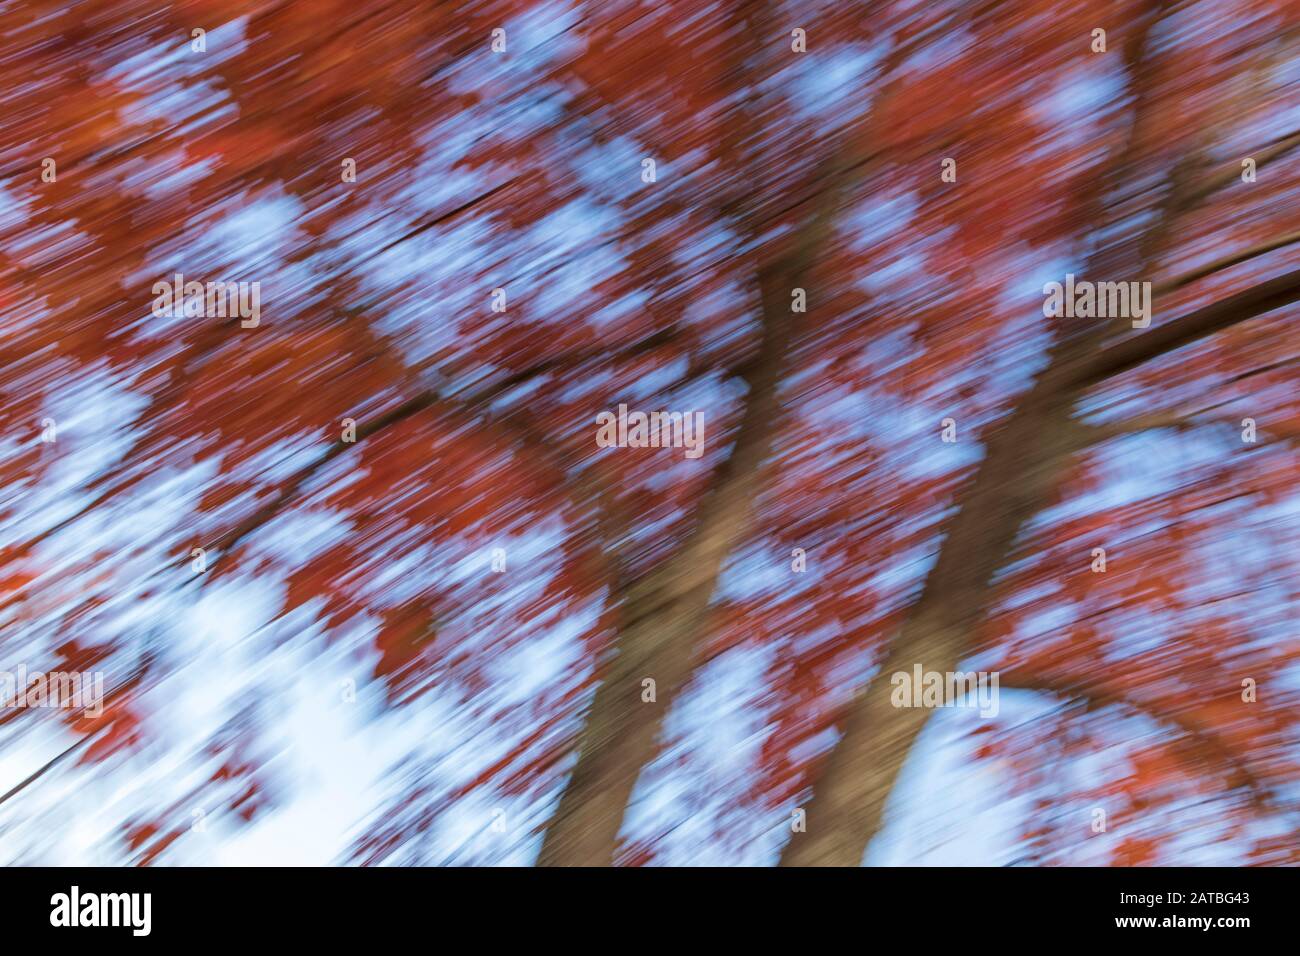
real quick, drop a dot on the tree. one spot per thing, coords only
(825, 230)
(1025, 461)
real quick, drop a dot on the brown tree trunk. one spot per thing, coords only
(664, 613)
(661, 615)
(1017, 473)
(1023, 459)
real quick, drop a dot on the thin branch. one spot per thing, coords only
(1214, 183)
(131, 681)
(1097, 695)
(435, 220)
(46, 768)
(1236, 258)
(1182, 419)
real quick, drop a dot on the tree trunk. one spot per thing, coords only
(1023, 459)
(661, 616)
(1017, 474)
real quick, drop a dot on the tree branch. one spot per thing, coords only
(1139, 349)
(1212, 184)
(1097, 696)
(1236, 258)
